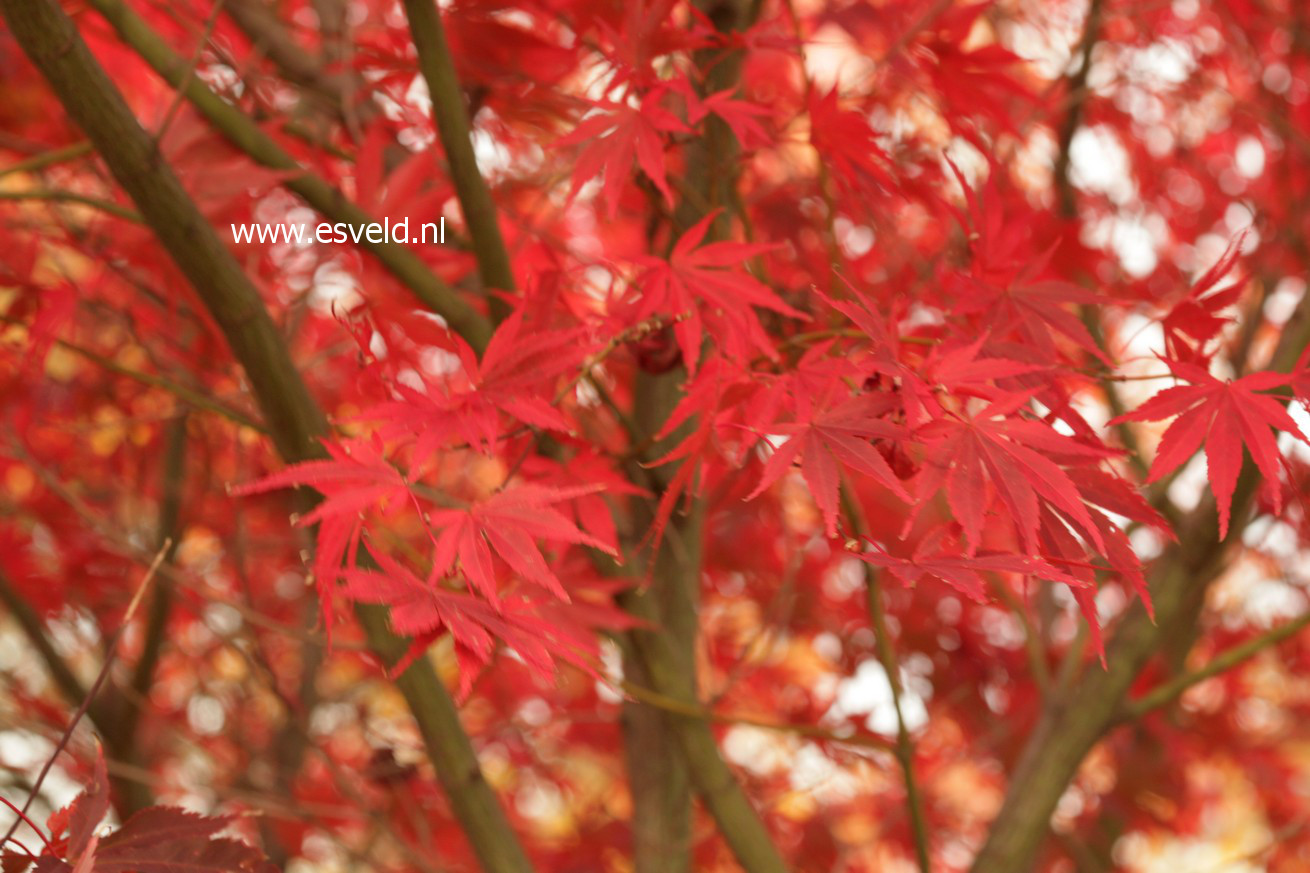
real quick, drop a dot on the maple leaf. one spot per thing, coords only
(700, 281)
(846, 142)
(158, 839)
(166, 839)
(1224, 416)
(1196, 317)
(1005, 284)
(354, 478)
(1012, 455)
(741, 116)
(826, 439)
(936, 557)
(618, 134)
(516, 370)
(971, 81)
(424, 610)
(508, 523)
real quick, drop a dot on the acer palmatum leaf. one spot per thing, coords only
(1224, 416)
(508, 524)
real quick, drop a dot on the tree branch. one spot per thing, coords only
(451, 116)
(1226, 660)
(244, 134)
(51, 40)
(262, 26)
(891, 666)
(1073, 723)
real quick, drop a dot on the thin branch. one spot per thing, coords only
(180, 96)
(182, 392)
(110, 649)
(679, 707)
(161, 605)
(1226, 660)
(48, 159)
(262, 26)
(55, 195)
(891, 666)
(29, 621)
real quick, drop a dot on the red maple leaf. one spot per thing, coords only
(846, 142)
(424, 609)
(828, 438)
(707, 285)
(354, 478)
(1224, 416)
(515, 377)
(158, 839)
(997, 452)
(936, 557)
(616, 136)
(508, 523)
(1194, 321)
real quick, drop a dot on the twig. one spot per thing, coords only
(180, 95)
(182, 392)
(452, 119)
(1221, 663)
(671, 704)
(887, 657)
(111, 650)
(57, 196)
(47, 159)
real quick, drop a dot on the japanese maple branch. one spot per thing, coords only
(1078, 719)
(91, 694)
(1226, 660)
(47, 159)
(161, 604)
(678, 707)
(665, 659)
(190, 396)
(401, 261)
(1077, 85)
(891, 666)
(262, 26)
(70, 687)
(55, 195)
(192, 64)
(451, 115)
(49, 37)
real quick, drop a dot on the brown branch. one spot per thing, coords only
(49, 37)
(262, 26)
(168, 530)
(678, 707)
(93, 692)
(33, 627)
(55, 195)
(1077, 85)
(177, 389)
